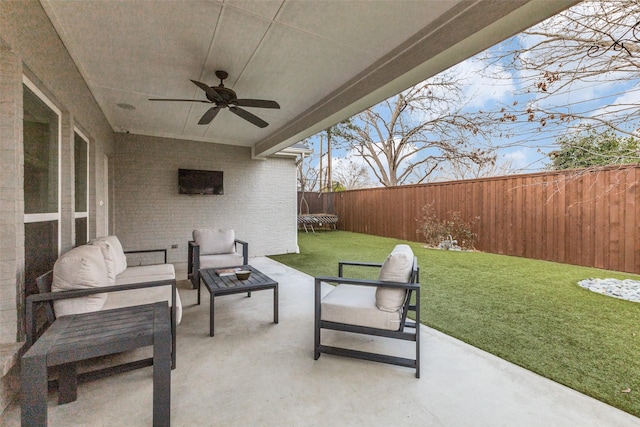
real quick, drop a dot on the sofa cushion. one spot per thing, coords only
(140, 274)
(356, 305)
(396, 268)
(146, 273)
(81, 268)
(113, 254)
(216, 261)
(214, 241)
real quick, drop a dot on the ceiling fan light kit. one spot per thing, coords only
(224, 97)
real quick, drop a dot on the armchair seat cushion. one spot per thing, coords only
(356, 305)
(222, 260)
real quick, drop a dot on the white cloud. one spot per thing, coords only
(480, 89)
(518, 158)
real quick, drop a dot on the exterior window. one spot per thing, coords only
(41, 136)
(81, 161)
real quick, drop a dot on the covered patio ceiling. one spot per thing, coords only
(322, 61)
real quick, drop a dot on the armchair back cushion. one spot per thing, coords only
(81, 267)
(396, 268)
(113, 254)
(214, 241)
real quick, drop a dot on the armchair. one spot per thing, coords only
(372, 307)
(213, 248)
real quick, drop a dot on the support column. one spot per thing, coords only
(11, 199)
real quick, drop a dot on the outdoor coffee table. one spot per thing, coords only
(228, 284)
(71, 339)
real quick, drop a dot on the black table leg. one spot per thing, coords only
(199, 289)
(211, 312)
(275, 304)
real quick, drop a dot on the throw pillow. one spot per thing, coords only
(396, 268)
(81, 268)
(113, 253)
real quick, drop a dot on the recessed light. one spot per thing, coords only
(125, 106)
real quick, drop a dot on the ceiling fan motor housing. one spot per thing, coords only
(226, 94)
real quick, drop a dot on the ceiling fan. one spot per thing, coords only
(224, 97)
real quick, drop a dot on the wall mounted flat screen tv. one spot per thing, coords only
(192, 181)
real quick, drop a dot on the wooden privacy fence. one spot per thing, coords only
(579, 217)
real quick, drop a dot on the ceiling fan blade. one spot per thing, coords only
(212, 93)
(181, 100)
(249, 117)
(209, 115)
(260, 103)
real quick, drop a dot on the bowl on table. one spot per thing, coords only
(243, 274)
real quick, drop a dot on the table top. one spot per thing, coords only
(101, 332)
(219, 285)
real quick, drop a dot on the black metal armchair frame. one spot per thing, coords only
(413, 334)
(193, 260)
(46, 297)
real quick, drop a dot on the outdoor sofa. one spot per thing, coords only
(95, 277)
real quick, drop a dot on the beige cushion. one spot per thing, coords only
(214, 241)
(396, 268)
(356, 305)
(144, 273)
(143, 296)
(217, 261)
(113, 254)
(80, 268)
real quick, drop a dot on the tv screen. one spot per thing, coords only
(192, 181)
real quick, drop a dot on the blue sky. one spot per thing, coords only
(525, 145)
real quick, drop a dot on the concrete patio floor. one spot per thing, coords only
(256, 373)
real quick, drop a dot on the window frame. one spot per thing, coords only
(83, 214)
(49, 216)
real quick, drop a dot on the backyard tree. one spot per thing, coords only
(588, 53)
(350, 174)
(330, 136)
(456, 170)
(315, 171)
(592, 148)
(308, 176)
(404, 138)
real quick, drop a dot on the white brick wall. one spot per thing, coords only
(259, 200)
(11, 188)
(44, 59)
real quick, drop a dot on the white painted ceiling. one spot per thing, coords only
(321, 60)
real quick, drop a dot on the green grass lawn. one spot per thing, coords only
(529, 312)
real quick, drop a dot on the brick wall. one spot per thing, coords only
(30, 46)
(11, 188)
(259, 200)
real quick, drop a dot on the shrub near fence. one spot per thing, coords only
(581, 217)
